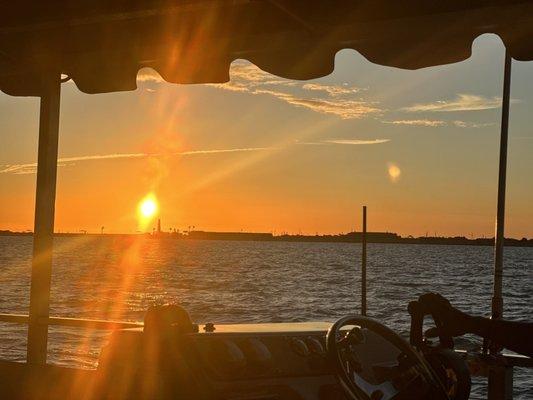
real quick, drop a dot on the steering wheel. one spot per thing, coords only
(372, 362)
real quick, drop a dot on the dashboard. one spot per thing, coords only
(235, 352)
(285, 361)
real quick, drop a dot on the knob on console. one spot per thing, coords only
(257, 354)
(315, 346)
(226, 356)
(299, 347)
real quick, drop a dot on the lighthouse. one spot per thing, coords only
(159, 225)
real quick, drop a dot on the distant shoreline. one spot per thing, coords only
(352, 237)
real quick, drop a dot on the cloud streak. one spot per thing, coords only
(31, 168)
(462, 102)
(466, 124)
(350, 142)
(356, 141)
(417, 122)
(343, 108)
(333, 90)
(149, 75)
(435, 123)
(337, 100)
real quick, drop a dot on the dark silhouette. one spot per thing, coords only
(515, 336)
(351, 237)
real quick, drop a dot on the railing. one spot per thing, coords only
(91, 324)
(498, 369)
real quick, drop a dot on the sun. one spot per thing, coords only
(148, 207)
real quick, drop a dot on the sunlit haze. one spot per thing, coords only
(265, 154)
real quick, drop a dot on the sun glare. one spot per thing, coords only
(148, 207)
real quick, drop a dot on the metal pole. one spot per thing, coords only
(363, 265)
(41, 270)
(497, 299)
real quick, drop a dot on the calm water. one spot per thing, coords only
(217, 281)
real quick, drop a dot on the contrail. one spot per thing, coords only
(31, 168)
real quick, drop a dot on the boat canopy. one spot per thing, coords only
(102, 44)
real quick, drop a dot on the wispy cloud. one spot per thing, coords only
(335, 100)
(333, 90)
(417, 122)
(220, 151)
(343, 108)
(149, 75)
(435, 123)
(31, 168)
(356, 141)
(20, 169)
(462, 102)
(351, 142)
(466, 124)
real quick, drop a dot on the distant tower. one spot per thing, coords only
(159, 225)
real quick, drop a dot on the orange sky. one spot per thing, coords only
(266, 154)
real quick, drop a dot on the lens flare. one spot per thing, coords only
(394, 172)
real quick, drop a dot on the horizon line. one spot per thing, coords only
(272, 233)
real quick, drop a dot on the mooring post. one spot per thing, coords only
(41, 270)
(363, 265)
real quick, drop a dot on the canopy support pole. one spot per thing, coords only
(363, 265)
(41, 270)
(500, 384)
(497, 298)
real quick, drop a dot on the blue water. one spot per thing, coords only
(219, 281)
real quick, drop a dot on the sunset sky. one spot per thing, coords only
(419, 148)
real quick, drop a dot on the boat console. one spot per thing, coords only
(355, 358)
(244, 362)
